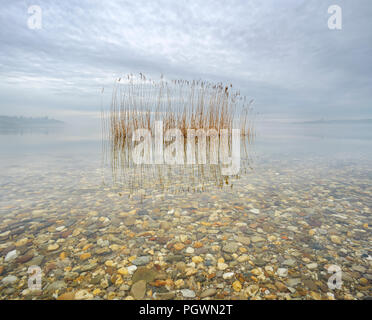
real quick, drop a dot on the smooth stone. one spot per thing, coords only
(57, 285)
(244, 240)
(228, 275)
(259, 262)
(130, 221)
(53, 247)
(256, 211)
(36, 261)
(67, 296)
(174, 258)
(165, 225)
(336, 239)
(189, 250)
(140, 261)
(281, 286)
(310, 284)
(103, 243)
(25, 258)
(282, 272)
(187, 293)
(138, 289)
(88, 267)
(230, 247)
(222, 266)
(360, 269)
(83, 295)
(9, 280)
(11, 255)
(257, 239)
(293, 282)
(312, 265)
(165, 295)
(143, 273)
(208, 293)
(289, 262)
(131, 269)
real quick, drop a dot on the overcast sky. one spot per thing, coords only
(278, 52)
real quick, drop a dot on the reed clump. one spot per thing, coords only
(137, 102)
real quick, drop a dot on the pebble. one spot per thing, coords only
(11, 255)
(53, 247)
(189, 250)
(83, 295)
(228, 275)
(179, 246)
(131, 269)
(67, 296)
(230, 247)
(282, 272)
(281, 286)
(208, 293)
(9, 280)
(197, 259)
(144, 273)
(237, 286)
(85, 256)
(140, 261)
(257, 239)
(336, 239)
(289, 262)
(138, 289)
(187, 293)
(244, 240)
(222, 266)
(312, 265)
(256, 211)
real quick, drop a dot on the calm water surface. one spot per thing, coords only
(301, 204)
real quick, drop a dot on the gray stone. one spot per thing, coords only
(257, 239)
(289, 262)
(293, 282)
(165, 295)
(230, 247)
(57, 285)
(187, 293)
(140, 261)
(9, 280)
(11, 255)
(244, 240)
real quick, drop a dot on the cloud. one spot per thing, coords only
(280, 53)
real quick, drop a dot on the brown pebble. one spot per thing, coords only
(67, 296)
(24, 258)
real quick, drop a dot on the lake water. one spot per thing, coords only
(300, 208)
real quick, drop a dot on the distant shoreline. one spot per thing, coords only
(11, 123)
(359, 121)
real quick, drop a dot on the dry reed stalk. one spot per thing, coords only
(137, 102)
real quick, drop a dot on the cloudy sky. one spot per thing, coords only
(279, 53)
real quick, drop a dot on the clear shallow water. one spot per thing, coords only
(303, 204)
